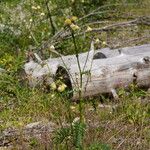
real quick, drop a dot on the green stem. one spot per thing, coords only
(50, 18)
(80, 71)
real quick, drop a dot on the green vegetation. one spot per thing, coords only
(88, 124)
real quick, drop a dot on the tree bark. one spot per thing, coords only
(109, 70)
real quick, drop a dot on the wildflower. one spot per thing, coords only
(30, 36)
(89, 29)
(42, 14)
(74, 27)
(53, 86)
(53, 95)
(52, 47)
(72, 108)
(97, 41)
(31, 20)
(33, 7)
(61, 77)
(74, 18)
(75, 120)
(38, 7)
(104, 43)
(68, 22)
(62, 87)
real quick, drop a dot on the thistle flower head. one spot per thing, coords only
(68, 22)
(74, 18)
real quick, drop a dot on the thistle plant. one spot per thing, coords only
(77, 126)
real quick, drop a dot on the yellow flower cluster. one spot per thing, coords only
(36, 7)
(68, 22)
(71, 23)
(60, 88)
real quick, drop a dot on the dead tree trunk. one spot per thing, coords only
(103, 70)
(106, 75)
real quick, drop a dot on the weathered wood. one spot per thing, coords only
(106, 75)
(116, 70)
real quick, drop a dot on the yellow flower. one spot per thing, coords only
(68, 22)
(30, 36)
(42, 14)
(89, 29)
(31, 20)
(104, 43)
(74, 27)
(52, 47)
(53, 86)
(62, 87)
(38, 7)
(74, 18)
(97, 41)
(33, 7)
(53, 95)
(73, 108)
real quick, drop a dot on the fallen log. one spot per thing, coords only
(45, 71)
(106, 75)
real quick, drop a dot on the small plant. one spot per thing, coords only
(99, 146)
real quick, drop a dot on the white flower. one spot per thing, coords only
(97, 41)
(30, 36)
(42, 14)
(89, 29)
(53, 95)
(31, 20)
(104, 43)
(52, 47)
(77, 119)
